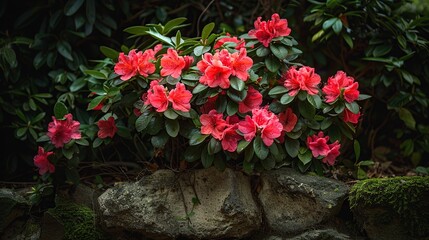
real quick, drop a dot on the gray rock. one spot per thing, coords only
(203, 204)
(316, 234)
(293, 202)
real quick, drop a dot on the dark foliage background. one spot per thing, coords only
(45, 45)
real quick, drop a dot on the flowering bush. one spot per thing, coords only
(215, 99)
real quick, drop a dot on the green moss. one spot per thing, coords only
(78, 221)
(408, 197)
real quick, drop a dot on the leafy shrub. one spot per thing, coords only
(215, 100)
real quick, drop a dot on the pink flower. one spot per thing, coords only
(126, 66)
(341, 85)
(222, 41)
(107, 128)
(318, 144)
(62, 131)
(230, 138)
(180, 98)
(41, 161)
(241, 64)
(263, 121)
(333, 153)
(157, 96)
(172, 64)
(351, 117)
(288, 119)
(304, 79)
(209, 105)
(213, 123)
(253, 100)
(216, 69)
(265, 31)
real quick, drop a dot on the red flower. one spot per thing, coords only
(126, 66)
(333, 153)
(341, 85)
(265, 31)
(216, 69)
(145, 62)
(157, 96)
(41, 161)
(288, 119)
(222, 41)
(253, 100)
(107, 128)
(62, 131)
(180, 98)
(172, 64)
(351, 117)
(304, 79)
(318, 144)
(213, 123)
(188, 62)
(230, 138)
(241, 64)
(262, 121)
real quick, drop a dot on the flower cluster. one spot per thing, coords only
(221, 97)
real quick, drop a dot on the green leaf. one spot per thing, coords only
(348, 39)
(97, 142)
(155, 34)
(159, 140)
(314, 100)
(82, 142)
(64, 48)
(279, 51)
(95, 102)
(382, 50)
(207, 30)
(306, 110)
(262, 51)
(21, 131)
(286, 99)
(236, 96)
(199, 88)
(292, 147)
(171, 114)
(109, 52)
(214, 146)
(305, 156)
(200, 50)
(328, 23)
(197, 138)
(273, 64)
(173, 23)
(353, 107)
(277, 90)
(90, 11)
(260, 149)
(318, 35)
(172, 127)
(96, 74)
(338, 25)
(143, 121)
(77, 84)
(407, 117)
(192, 153)
(206, 159)
(231, 108)
(268, 163)
(137, 30)
(72, 6)
(363, 97)
(356, 147)
(237, 84)
(60, 110)
(191, 77)
(242, 145)
(326, 123)
(38, 117)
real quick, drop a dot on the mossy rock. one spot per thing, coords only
(392, 208)
(78, 221)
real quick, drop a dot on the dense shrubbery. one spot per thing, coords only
(46, 48)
